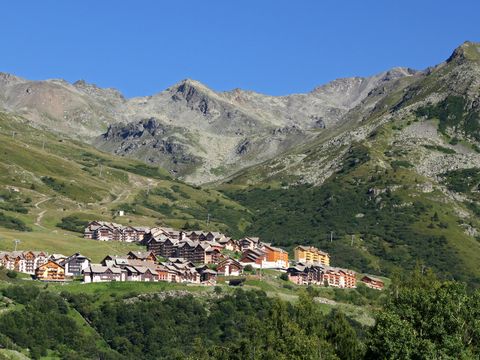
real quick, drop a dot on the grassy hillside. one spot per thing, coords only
(391, 188)
(374, 215)
(376, 212)
(45, 178)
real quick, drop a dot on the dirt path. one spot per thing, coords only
(42, 213)
(122, 196)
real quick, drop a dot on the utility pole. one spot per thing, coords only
(331, 236)
(353, 236)
(208, 219)
(13, 135)
(16, 241)
(43, 145)
(101, 168)
(148, 189)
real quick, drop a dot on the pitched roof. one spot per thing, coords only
(141, 254)
(372, 278)
(312, 249)
(100, 269)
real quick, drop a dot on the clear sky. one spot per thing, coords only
(271, 46)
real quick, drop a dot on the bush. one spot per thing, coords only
(236, 282)
(12, 274)
(10, 222)
(284, 276)
(73, 223)
(248, 268)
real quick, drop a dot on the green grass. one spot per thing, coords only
(63, 242)
(58, 179)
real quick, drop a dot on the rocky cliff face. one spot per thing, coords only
(221, 133)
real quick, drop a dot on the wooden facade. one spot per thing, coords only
(50, 271)
(372, 282)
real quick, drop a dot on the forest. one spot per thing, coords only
(327, 217)
(422, 318)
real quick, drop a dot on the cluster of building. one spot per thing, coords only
(183, 257)
(108, 231)
(208, 247)
(312, 267)
(54, 267)
(145, 266)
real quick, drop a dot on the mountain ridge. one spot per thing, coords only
(256, 126)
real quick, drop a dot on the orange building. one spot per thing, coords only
(275, 257)
(50, 271)
(337, 277)
(312, 255)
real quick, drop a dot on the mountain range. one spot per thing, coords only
(382, 172)
(198, 134)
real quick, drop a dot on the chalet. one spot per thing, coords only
(50, 271)
(138, 267)
(90, 229)
(310, 254)
(267, 257)
(75, 264)
(115, 259)
(306, 274)
(163, 246)
(186, 270)
(249, 243)
(33, 259)
(100, 273)
(7, 260)
(167, 273)
(275, 257)
(229, 244)
(337, 277)
(253, 257)
(229, 267)
(315, 274)
(130, 234)
(20, 264)
(141, 273)
(372, 282)
(208, 276)
(159, 232)
(23, 261)
(148, 256)
(107, 231)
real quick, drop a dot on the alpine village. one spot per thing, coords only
(198, 180)
(178, 256)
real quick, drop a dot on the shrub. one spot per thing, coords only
(73, 223)
(284, 276)
(12, 274)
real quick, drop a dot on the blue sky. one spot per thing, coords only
(271, 46)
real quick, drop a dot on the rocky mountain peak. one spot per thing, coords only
(6, 79)
(197, 95)
(94, 90)
(187, 86)
(397, 73)
(468, 51)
